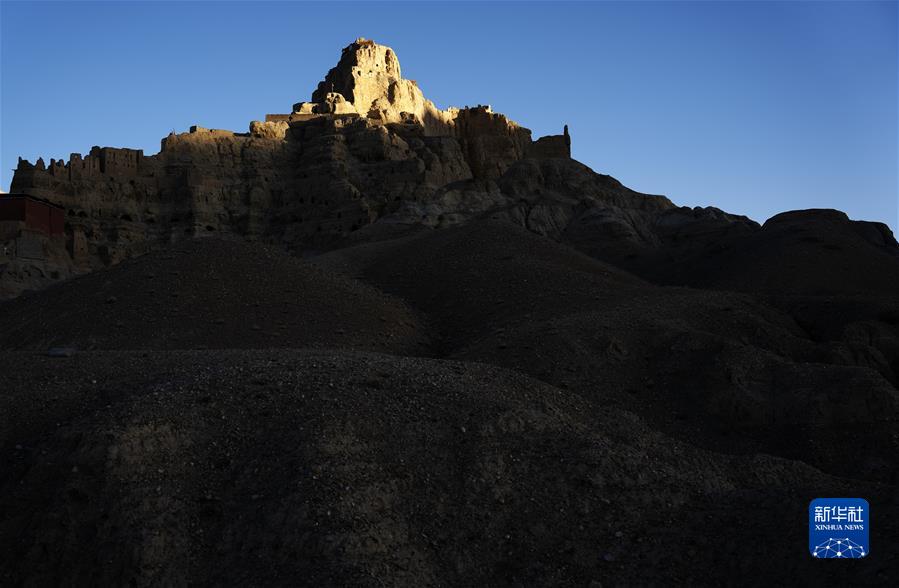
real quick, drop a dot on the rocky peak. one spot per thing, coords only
(368, 146)
(369, 79)
(364, 73)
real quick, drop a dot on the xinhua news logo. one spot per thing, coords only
(838, 528)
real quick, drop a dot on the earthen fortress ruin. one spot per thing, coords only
(366, 144)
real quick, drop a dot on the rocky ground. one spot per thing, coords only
(264, 467)
(475, 405)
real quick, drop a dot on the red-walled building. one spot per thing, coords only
(36, 214)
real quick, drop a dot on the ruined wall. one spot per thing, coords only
(551, 146)
(108, 197)
(491, 142)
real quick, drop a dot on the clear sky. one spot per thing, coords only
(754, 107)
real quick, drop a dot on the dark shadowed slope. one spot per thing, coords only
(212, 293)
(718, 368)
(263, 468)
(817, 252)
(474, 278)
(621, 426)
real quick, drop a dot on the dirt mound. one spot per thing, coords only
(802, 252)
(212, 293)
(810, 251)
(328, 468)
(475, 278)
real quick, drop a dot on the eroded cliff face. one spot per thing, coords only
(368, 149)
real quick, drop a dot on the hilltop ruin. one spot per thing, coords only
(367, 144)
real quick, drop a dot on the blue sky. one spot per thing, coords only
(754, 107)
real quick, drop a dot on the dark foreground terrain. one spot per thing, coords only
(468, 406)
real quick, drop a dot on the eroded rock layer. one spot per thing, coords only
(370, 157)
(368, 147)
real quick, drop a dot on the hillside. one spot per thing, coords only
(374, 342)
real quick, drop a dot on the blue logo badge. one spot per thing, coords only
(838, 528)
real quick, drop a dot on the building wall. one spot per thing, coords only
(12, 209)
(33, 213)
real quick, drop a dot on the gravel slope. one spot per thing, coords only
(212, 293)
(285, 467)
